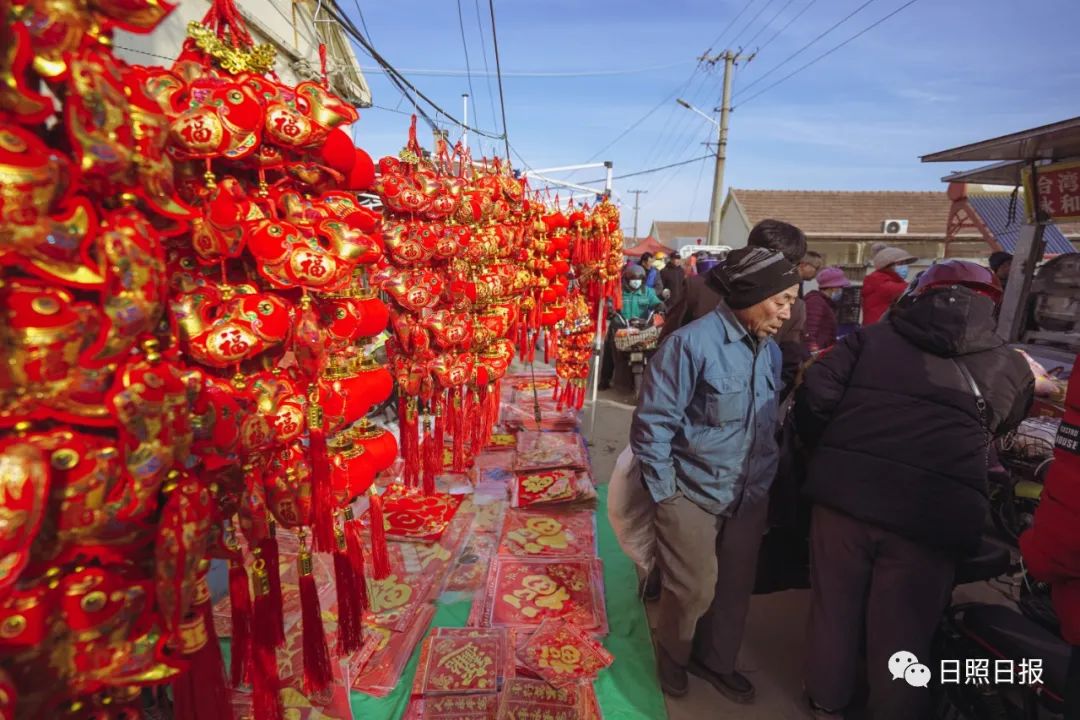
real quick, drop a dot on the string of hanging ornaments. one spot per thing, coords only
(184, 303)
(188, 291)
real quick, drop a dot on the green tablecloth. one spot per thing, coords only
(628, 690)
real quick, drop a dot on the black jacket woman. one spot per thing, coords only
(899, 416)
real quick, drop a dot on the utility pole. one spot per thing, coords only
(730, 60)
(637, 198)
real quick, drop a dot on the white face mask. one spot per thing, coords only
(634, 284)
(835, 294)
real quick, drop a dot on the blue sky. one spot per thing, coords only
(938, 74)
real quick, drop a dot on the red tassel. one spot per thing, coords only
(354, 545)
(240, 604)
(440, 430)
(405, 436)
(431, 460)
(322, 490)
(380, 552)
(410, 443)
(318, 673)
(459, 430)
(350, 631)
(268, 550)
(201, 694)
(265, 681)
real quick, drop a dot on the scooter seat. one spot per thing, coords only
(1011, 636)
(993, 558)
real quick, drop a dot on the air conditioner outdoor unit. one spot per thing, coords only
(894, 227)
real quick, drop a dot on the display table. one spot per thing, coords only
(627, 690)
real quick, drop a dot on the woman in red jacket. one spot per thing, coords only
(882, 287)
(1051, 548)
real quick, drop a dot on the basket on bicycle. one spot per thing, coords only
(629, 339)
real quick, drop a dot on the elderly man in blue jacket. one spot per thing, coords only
(705, 435)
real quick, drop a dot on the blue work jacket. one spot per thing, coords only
(707, 419)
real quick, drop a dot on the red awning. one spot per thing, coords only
(648, 245)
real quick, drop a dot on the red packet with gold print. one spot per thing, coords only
(523, 592)
(462, 660)
(525, 699)
(548, 534)
(563, 654)
(543, 486)
(411, 515)
(453, 707)
(546, 450)
(560, 486)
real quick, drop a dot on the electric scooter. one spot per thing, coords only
(991, 634)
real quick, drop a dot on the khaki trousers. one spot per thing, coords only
(707, 564)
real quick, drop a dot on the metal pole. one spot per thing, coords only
(465, 121)
(610, 178)
(721, 152)
(1029, 250)
(637, 199)
(598, 350)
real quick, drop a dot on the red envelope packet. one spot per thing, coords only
(462, 660)
(537, 533)
(525, 699)
(411, 515)
(546, 450)
(563, 654)
(551, 487)
(523, 592)
(453, 707)
(502, 441)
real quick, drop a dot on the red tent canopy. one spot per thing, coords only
(648, 245)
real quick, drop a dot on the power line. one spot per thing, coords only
(498, 71)
(694, 195)
(805, 47)
(487, 70)
(767, 25)
(788, 24)
(519, 157)
(663, 167)
(400, 80)
(390, 109)
(735, 40)
(437, 72)
(465, 47)
(651, 170)
(828, 52)
(363, 22)
(729, 26)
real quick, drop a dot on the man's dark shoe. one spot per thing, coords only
(604, 385)
(673, 679)
(734, 685)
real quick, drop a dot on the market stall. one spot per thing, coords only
(1043, 161)
(191, 293)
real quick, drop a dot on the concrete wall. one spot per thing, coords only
(733, 229)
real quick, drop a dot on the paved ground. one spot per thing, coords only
(773, 648)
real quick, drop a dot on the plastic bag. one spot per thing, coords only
(632, 512)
